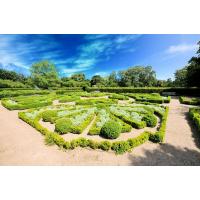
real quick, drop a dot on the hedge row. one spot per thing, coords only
(53, 138)
(189, 101)
(178, 91)
(15, 93)
(160, 134)
(119, 147)
(194, 114)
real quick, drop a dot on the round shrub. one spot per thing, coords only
(47, 115)
(150, 120)
(63, 126)
(111, 130)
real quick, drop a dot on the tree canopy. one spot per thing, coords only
(44, 74)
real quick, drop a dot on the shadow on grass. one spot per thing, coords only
(167, 155)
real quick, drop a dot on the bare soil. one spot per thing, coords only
(20, 144)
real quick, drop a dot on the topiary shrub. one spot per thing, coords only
(150, 120)
(63, 126)
(111, 130)
(105, 145)
(47, 115)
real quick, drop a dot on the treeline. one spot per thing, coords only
(44, 75)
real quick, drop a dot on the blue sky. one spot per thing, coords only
(98, 54)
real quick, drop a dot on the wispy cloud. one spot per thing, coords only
(181, 48)
(102, 73)
(98, 48)
(23, 50)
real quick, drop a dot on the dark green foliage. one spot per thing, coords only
(120, 147)
(11, 84)
(160, 90)
(63, 126)
(111, 130)
(190, 100)
(150, 120)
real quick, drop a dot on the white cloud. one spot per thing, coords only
(102, 73)
(181, 48)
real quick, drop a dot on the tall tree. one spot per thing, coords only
(44, 74)
(97, 80)
(138, 76)
(181, 77)
(193, 70)
(112, 79)
(78, 77)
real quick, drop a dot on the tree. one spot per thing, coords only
(44, 74)
(112, 79)
(78, 77)
(138, 76)
(11, 75)
(97, 80)
(181, 77)
(193, 70)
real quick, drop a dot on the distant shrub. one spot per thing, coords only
(111, 130)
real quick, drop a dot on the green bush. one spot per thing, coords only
(134, 142)
(63, 126)
(120, 147)
(79, 142)
(11, 84)
(93, 144)
(194, 114)
(111, 130)
(150, 120)
(105, 145)
(48, 114)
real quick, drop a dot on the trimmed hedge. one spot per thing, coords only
(189, 100)
(25, 92)
(118, 96)
(119, 147)
(194, 114)
(160, 134)
(160, 90)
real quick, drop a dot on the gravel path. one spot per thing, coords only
(20, 144)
